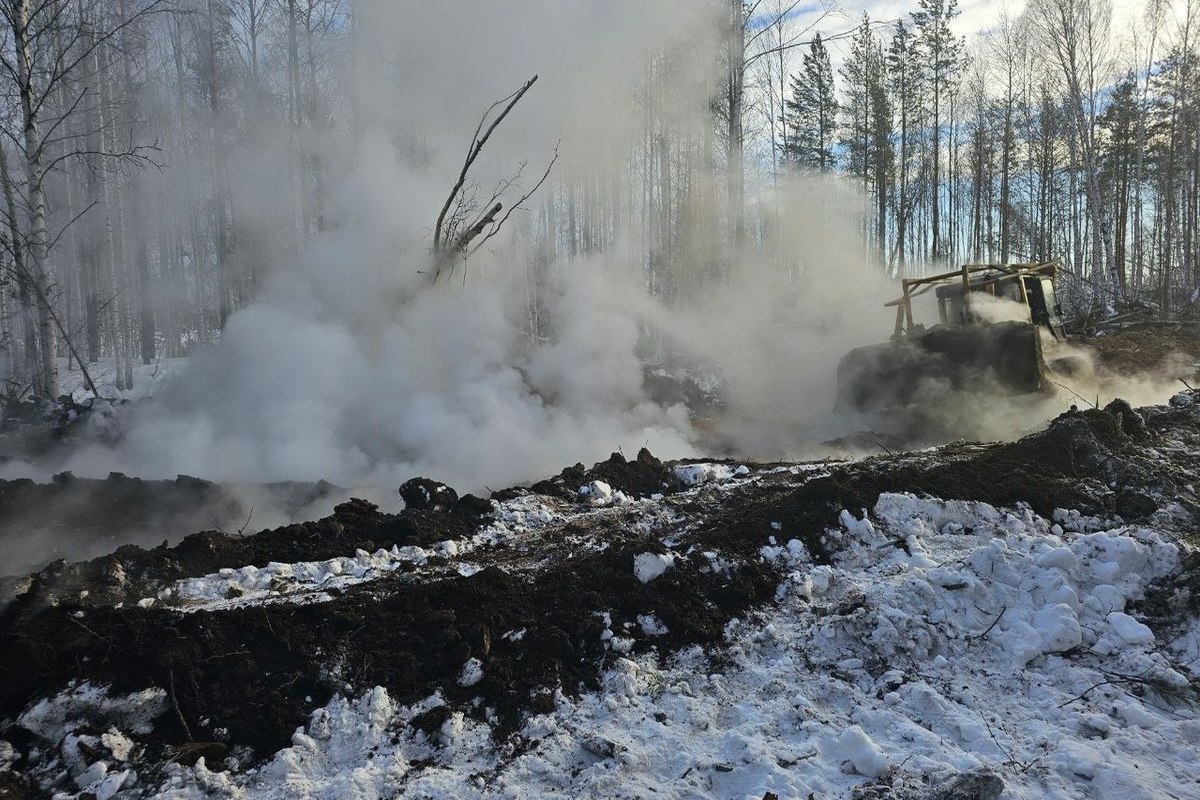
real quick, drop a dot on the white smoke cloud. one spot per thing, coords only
(352, 368)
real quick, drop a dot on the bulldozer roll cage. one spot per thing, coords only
(985, 278)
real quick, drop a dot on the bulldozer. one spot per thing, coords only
(992, 319)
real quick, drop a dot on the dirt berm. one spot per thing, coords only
(247, 677)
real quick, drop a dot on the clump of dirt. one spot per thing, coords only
(1076, 442)
(423, 493)
(644, 476)
(1131, 422)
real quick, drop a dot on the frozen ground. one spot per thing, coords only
(640, 630)
(148, 379)
(989, 646)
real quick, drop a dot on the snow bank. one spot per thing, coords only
(312, 581)
(975, 654)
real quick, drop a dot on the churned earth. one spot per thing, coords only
(976, 620)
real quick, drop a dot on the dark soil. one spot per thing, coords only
(642, 477)
(258, 672)
(1083, 460)
(354, 525)
(75, 518)
(1148, 347)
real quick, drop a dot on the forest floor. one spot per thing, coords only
(1015, 619)
(1148, 347)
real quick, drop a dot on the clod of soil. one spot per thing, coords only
(642, 477)
(422, 493)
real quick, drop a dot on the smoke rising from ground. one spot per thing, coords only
(353, 368)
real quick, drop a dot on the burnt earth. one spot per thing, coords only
(257, 672)
(644, 476)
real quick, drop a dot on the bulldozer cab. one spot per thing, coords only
(958, 292)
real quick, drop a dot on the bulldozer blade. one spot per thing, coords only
(1003, 357)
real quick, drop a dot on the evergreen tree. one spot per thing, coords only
(867, 133)
(811, 115)
(904, 81)
(1117, 158)
(941, 54)
(857, 75)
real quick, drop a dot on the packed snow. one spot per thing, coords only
(949, 640)
(315, 581)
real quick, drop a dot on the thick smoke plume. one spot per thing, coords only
(355, 369)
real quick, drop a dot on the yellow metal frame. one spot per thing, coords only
(914, 287)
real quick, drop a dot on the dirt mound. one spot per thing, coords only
(642, 477)
(1148, 347)
(1084, 460)
(354, 525)
(258, 672)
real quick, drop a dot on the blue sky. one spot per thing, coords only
(975, 16)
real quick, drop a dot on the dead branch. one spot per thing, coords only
(519, 204)
(989, 627)
(175, 704)
(453, 235)
(476, 147)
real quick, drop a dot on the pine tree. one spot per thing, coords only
(867, 134)
(904, 83)
(811, 115)
(856, 82)
(941, 55)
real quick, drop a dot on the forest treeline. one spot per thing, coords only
(161, 157)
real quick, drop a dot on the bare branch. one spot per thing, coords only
(519, 204)
(477, 143)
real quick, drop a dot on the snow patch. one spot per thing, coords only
(471, 673)
(648, 566)
(697, 474)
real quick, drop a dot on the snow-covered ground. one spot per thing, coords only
(148, 379)
(950, 645)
